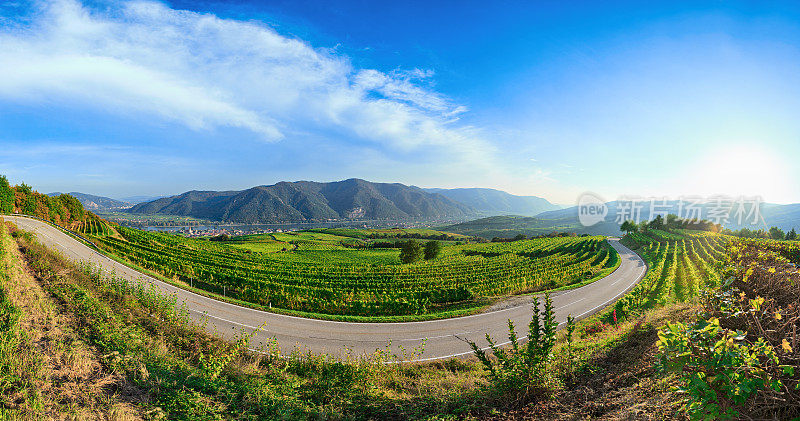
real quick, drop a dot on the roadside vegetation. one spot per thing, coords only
(62, 210)
(725, 346)
(49, 368)
(738, 358)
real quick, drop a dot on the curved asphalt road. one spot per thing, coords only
(444, 337)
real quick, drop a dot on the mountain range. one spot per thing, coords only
(356, 199)
(312, 201)
(133, 200)
(785, 217)
(96, 203)
(496, 202)
(303, 201)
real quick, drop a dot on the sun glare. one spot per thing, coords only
(742, 170)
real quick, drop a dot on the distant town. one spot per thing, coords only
(190, 227)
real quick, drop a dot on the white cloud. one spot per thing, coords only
(204, 72)
(540, 174)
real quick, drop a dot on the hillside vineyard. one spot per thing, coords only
(319, 274)
(681, 264)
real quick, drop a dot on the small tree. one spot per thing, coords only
(791, 235)
(776, 233)
(432, 249)
(410, 251)
(629, 227)
(6, 196)
(657, 223)
(672, 220)
(644, 226)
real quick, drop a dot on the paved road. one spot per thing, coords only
(444, 337)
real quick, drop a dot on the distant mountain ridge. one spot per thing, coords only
(508, 226)
(496, 202)
(311, 201)
(96, 203)
(133, 200)
(785, 217)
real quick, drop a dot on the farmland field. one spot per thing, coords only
(358, 272)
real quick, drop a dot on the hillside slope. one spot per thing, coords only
(310, 201)
(496, 202)
(785, 217)
(64, 210)
(508, 226)
(95, 203)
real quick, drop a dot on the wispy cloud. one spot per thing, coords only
(143, 59)
(540, 174)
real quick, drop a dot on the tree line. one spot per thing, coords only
(414, 235)
(773, 233)
(61, 210)
(672, 221)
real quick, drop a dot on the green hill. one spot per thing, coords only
(96, 203)
(508, 226)
(310, 201)
(64, 210)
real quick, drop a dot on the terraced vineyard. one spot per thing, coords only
(681, 264)
(319, 272)
(93, 226)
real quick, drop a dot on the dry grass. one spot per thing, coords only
(66, 376)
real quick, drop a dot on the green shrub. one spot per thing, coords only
(410, 251)
(432, 249)
(720, 370)
(523, 371)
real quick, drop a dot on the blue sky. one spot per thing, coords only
(552, 99)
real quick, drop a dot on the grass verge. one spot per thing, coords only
(47, 369)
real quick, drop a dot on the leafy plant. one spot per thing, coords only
(718, 367)
(570, 350)
(522, 371)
